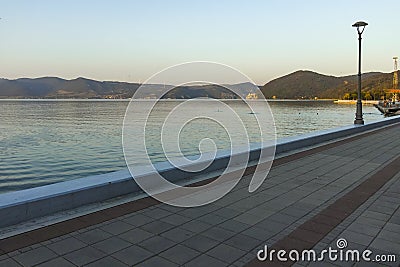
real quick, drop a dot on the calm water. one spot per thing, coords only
(43, 142)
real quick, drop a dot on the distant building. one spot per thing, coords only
(252, 96)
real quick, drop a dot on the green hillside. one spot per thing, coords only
(308, 85)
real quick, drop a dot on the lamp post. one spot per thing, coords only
(360, 25)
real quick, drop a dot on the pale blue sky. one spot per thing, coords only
(131, 40)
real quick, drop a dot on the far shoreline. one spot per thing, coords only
(152, 99)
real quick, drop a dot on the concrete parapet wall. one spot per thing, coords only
(318, 137)
(23, 205)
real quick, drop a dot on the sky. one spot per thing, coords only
(132, 40)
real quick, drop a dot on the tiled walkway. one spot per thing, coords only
(349, 189)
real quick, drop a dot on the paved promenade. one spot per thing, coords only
(348, 190)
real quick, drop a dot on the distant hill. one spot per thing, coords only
(307, 84)
(297, 85)
(52, 87)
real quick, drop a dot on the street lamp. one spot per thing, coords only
(360, 25)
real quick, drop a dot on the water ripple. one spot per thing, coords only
(43, 142)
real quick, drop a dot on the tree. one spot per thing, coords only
(367, 96)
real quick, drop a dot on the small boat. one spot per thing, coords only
(388, 108)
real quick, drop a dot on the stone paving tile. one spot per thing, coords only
(370, 221)
(218, 234)
(135, 235)
(249, 218)
(295, 211)
(36, 246)
(396, 216)
(390, 199)
(194, 212)
(395, 220)
(243, 261)
(157, 227)
(117, 227)
(107, 261)
(196, 226)
(389, 236)
(93, 236)
(283, 218)
(230, 198)
(175, 219)
(205, 260)
(242, 241)
(57, 262)
(258, 233)
(156, 213)
(67, 245)
(271, 226)
(200, 243)
(306, 235)
(9, 262)
(212, 219)
(391, 227)
(376, 215)
(13, 253)
(35, 256)
(234, 226)
(227, 213)
(171, 209)
(25, 249)
(384, 203)
(362, 239)
(237, 208)
(226, 253)
(364, 229)
(111, 245)
(180, 254)
(156, 244)
(385, 245)
(274, 205)
(157, 261)
(178, 234)
(132, 255)
(84, 256)
(138, 219)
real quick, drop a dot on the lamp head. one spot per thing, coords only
(360, 24)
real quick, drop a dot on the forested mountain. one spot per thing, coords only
(308, 85)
